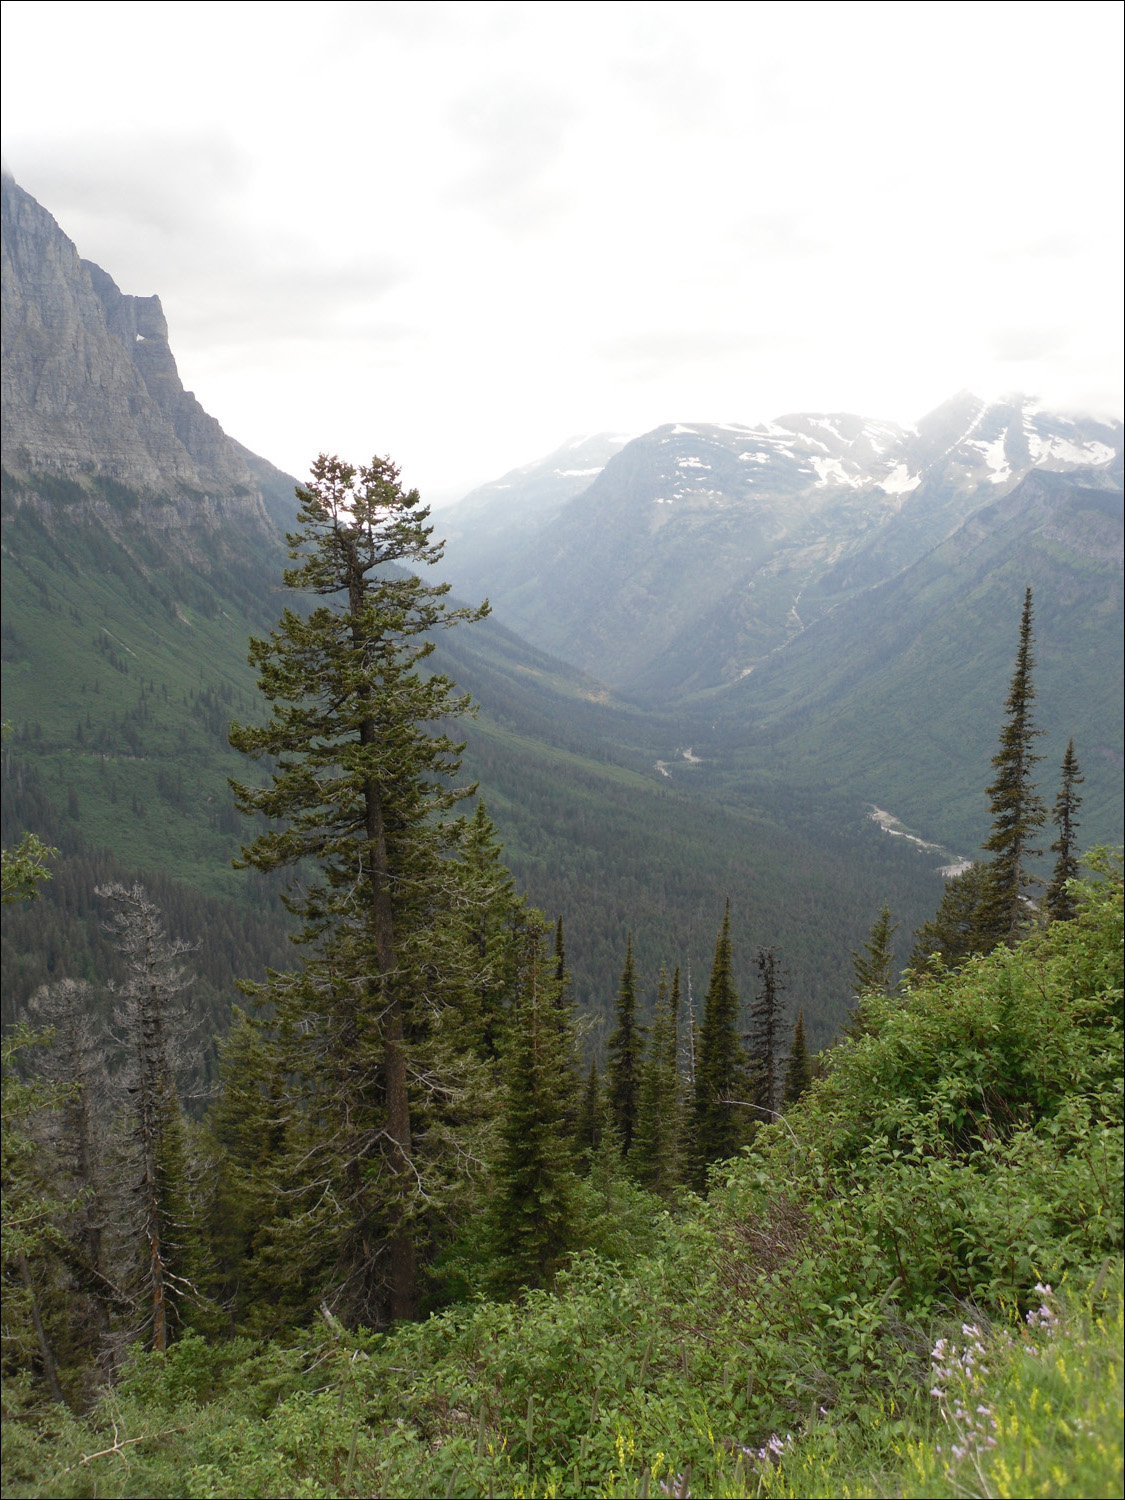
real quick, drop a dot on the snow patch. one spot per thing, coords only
(691, 463)
(832, 471)
(578, 473)
(996, 460)
(1065, 452)
(900, 481)
(680, 429)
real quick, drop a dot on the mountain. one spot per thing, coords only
(92, 402)
(142, 548)
(832, 601)
(694, 522)
(519, 503)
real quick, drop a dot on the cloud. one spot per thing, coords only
(1018, 345)
(780, 236)
(175, 215)
(514, 139)
(655, 355)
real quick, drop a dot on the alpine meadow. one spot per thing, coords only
(613, 987)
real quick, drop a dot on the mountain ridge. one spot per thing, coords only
(92, 400)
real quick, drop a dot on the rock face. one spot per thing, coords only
(91, 390)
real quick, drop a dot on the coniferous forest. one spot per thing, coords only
(414, 1224)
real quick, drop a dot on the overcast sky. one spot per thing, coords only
(461, 233)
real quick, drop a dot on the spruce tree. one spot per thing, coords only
(720, 1073)
(872, 968)
(588, 1130)
(532, 1211)
(625, 1054)
(654, 1160)
(1060, 903)
(765, 1045)
(798, 1070)
(1017, 809)
(247, 1130)
(953, 933)
(484, 926)
(568, 1029)
(361, 782)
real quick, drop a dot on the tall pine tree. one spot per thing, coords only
(625, 1049)
(798, 1070)
(720, 1071)
(871, 968)
(654, 1161)
(588, 1130)
(766, 1028)
(1060, 902)
(953, 932)
(361, 782)
(532, 1211)
(1017, 809)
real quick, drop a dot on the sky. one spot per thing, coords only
(459, 234)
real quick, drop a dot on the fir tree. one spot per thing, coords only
(798, 1070)
(720, 1072)
(953, 933)
(625, 1053)
(568, 1029)
(247, 1128)
(765, 1034)
(654, 1161)
(362, 782)
(1017, 809)
(532, 1211)
(588, 1130)
(872, 968)
(1060, 903)
(491, 918)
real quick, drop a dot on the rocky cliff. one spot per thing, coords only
(92, 397)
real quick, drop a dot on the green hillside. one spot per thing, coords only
(894, 695)
(910, 1285)
(123, 667)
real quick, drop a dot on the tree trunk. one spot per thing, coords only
(404, 1300)
(45, 1354)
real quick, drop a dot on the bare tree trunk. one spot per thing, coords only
(45, 1354)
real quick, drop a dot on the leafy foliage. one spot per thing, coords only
(780, 1338)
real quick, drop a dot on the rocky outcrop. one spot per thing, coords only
(91, 390)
